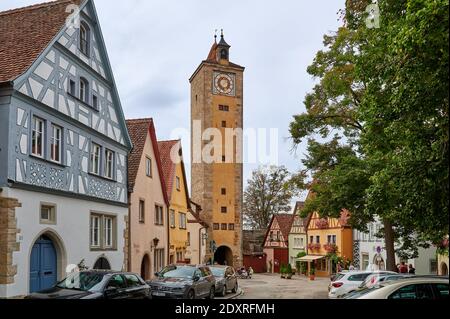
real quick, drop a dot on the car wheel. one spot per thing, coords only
(235, 289)
(191, 294)
(224, 291)
(212, 293)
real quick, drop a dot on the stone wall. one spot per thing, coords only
(8, 239)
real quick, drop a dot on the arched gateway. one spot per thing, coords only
(224, 256)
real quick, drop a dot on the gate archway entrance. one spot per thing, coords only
(145, 268)
(224, 256)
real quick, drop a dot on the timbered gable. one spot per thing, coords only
(78, 84)
(63, 103)
(278, 232)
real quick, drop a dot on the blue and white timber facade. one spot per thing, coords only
(63, 156)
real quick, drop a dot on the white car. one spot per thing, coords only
(345, 282)
(411, 288)
(378, 278)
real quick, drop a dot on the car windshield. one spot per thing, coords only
(218, 272)
(360, 292)
(177, 272)
(91, 282)
(337, 277)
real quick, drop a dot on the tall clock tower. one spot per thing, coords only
(217, 185)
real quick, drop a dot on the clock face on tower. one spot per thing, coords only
(224, 83)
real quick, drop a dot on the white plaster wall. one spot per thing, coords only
(73, 219)
(421, 264)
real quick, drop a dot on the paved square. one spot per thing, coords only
(271, 286)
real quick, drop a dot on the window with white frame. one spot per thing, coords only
(38, 137)
(95, 158)
(182, 221)
(159, 215)
(108, 231)
(102, 232)
(172, 218)
(148, 167)
(159, 259)
(84, 90)
(48, 214)
(142, 211)
(95, 231)
(56, 143)
(109, 165)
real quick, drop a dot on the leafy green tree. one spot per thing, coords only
(377, 123)
(268, 192)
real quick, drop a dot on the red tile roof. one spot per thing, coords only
(26, 32)
(168, 166)
(138, 130)
(285, 222)
(212, 57)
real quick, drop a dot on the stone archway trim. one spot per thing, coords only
(61, 255)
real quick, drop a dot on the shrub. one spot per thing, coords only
(289, 269)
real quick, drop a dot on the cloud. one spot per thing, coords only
(155, 46)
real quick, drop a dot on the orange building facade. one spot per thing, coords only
(328, 236)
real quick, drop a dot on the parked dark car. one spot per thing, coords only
(226, 279)
(183, 282)
(96, 284)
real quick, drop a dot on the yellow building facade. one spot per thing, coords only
(178, 194)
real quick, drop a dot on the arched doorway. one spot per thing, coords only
(145, 268)
(223, 256)
(43, 264)
(444, 269)
(102, 264)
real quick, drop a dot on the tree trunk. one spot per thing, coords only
(390, 246)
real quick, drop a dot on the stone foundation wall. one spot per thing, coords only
(8, 239)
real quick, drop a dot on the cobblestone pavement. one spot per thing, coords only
(270, 286)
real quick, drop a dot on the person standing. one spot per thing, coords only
(403, 268)
(412, 270)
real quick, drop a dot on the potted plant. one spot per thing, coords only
(283, 271)
(289, 272)
(312, 274)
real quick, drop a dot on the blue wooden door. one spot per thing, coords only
(43, 265)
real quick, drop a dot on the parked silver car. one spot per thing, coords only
(226, 279)
(184, 282)
(430, 288)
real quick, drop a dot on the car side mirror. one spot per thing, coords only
(157, 274)
(196, 278)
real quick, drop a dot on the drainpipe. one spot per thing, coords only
(200, 245)
(129, 233)
(168, 235)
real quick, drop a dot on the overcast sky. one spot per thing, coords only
(155, 45)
